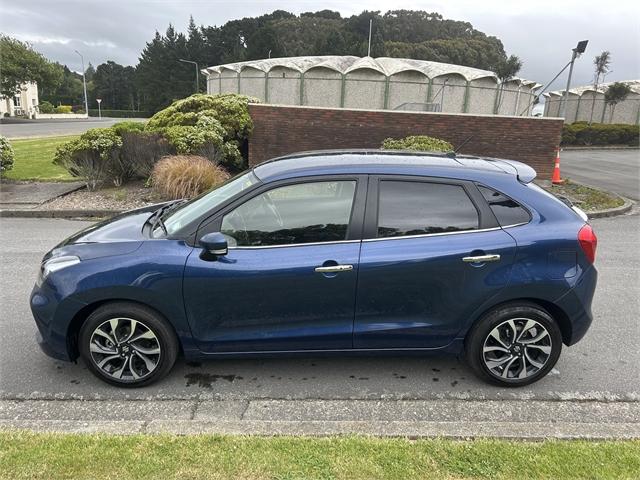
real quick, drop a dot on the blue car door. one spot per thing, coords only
(288, 281)
(432, 254)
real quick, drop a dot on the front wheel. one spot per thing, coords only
(127, 345)
(515, 345)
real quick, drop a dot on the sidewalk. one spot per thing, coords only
(529, 420)
(28, 195)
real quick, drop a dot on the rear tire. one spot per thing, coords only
(127, 344)
(514, 345)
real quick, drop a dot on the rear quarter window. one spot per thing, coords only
(507, 211)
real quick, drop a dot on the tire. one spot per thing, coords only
(127, 344)
(495, 357)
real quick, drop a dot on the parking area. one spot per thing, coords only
(617, 171)
(51, 128)
(604, 366)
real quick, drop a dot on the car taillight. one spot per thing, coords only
(588, 242)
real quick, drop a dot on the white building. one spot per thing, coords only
(25, 103)
(373, 83)
(588, 105)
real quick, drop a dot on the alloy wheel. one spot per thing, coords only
(125, 349)
(516, 349)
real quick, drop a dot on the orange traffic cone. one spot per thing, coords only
(555, 179)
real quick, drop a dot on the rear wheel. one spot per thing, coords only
(515, 345)
(127, 344)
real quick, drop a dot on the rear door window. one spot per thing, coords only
(420, 208)
(507, 211)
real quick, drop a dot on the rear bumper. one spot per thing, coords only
(576, 303)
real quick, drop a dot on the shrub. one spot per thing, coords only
(580, 133)
(209, 125)
(128, 126)
(143, 150)
(185, 176)
(6, 155)
(63, 109)
(420, 143)
(46, 107)
(94, 157)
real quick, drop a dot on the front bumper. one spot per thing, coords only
(53, 318)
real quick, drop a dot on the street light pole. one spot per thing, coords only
(84, 84)
(197, 73)
(580, 48)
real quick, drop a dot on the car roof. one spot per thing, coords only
(436, 164)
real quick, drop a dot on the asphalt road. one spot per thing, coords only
(614, 170)
(604, 366)
(50, 128)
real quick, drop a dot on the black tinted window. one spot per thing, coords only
(507, 211)
(417, 208)
(303, 213)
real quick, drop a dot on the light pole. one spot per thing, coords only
(197, 73)
(99, 100)
(580, 48)
(84, 84)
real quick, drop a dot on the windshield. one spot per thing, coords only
(200, 205)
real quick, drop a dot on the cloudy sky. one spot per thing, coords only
(541, 33)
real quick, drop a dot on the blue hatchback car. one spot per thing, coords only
(335, 252)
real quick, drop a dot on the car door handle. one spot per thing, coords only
(482, 258)
(334, 268)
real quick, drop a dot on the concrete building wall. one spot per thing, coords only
(322, 87)
(482, 95)
(626, 111)
(213, 84)
(407, 87)
(509, 98)
(252, 82)
(284, 86)
(364, 88)
(589, 100)
(449, 91)
(228, 81)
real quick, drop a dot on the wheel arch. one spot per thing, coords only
(81, 316)
(557, 313)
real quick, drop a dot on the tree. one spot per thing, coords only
(616, 92)
(20, 64)
(67, 92)
(601, 63)
(505, 71)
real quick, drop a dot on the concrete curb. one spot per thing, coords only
(68, 214)
(525, 420)
(603, 147)
(613, 212)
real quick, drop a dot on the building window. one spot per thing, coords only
(17, 101)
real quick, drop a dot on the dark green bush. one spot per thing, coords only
(46, 107)
(93, 112)
(143, 150)
(421, 143)
(213, 126)
(122, 127)
(94, 157)
(6, 155)
(580, 133)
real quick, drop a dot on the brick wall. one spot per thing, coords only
(279, 130)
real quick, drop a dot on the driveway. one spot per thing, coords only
(614, 170)
(54, 128)
(604, 366)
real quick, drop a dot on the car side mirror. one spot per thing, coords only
(214, 245)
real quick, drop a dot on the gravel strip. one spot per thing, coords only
(127, 197)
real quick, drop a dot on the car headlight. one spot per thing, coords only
(58, 263)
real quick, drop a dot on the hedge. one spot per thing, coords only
(93, 112)
(580, 133)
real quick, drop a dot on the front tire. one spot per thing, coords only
(514, 345)
(127, 345)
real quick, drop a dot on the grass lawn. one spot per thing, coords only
(56, 456)
(34, 157)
